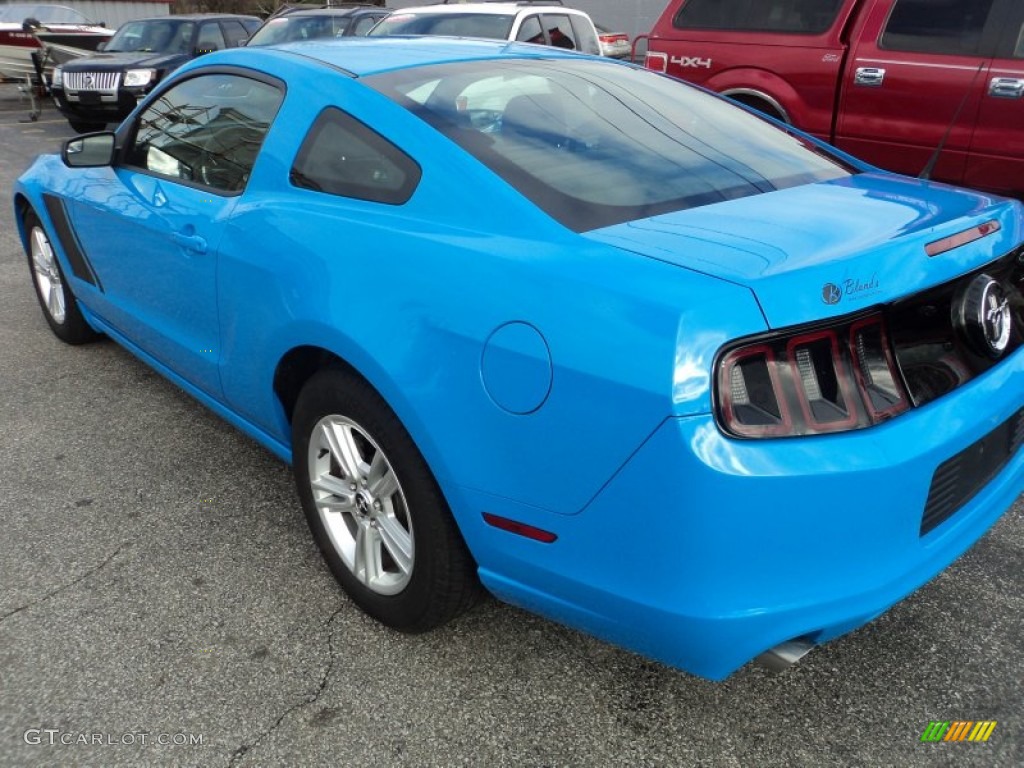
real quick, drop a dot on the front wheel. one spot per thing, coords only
(374, 508)
(55, 297)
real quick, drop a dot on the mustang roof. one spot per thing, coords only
(368, 56)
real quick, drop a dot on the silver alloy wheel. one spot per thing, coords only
(361, 505)
(44, 268)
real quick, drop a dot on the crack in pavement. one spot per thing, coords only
(310, 699)
(58, 590)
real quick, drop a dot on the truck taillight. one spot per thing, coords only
(656, 61)
(814, 382)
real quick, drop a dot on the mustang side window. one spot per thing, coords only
(341, 156)
(206, 130)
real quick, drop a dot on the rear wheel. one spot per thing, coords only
(58, 303)
(374, 507)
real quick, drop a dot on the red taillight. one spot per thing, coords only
(823, 385)
(749, 394)
(826, 380)
(877, 377)
(658, 62)
(609, 39)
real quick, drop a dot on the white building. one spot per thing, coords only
(113, 13)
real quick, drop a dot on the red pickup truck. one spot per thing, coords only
(885, 80)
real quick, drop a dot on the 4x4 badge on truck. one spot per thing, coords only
(691, 61)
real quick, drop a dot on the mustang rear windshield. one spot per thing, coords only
(595, 144)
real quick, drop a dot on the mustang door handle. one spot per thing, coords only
(872, 76)
(1006, 87)
(189, 242)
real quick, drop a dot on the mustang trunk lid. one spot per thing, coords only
(832, 248)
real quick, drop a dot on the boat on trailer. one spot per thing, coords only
(53, 32)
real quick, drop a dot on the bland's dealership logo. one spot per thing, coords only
(831, 293)
(851, 288)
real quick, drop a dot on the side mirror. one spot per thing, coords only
(101, 46)
(91, 150)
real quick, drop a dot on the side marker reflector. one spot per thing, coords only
(522, 529)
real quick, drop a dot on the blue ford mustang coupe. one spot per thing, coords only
(622, 352)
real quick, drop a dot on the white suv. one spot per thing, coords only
(527, 22)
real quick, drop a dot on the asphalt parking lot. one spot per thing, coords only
(161, 599)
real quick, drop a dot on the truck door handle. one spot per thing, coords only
(189, 242)
(870, 76)
(1006, 87)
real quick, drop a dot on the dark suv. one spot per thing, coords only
(104, 88)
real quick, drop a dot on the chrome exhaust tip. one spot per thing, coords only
(784, 655)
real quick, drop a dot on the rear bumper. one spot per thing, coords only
(704, 551)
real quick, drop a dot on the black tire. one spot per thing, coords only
(81, 126)
(70, 327)
(440, 581)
